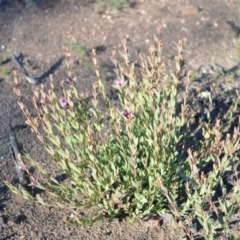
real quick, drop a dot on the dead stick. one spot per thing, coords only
(23, 175)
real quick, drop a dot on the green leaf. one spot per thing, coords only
(55, 140)
(50, 150)
(98, 127)
(64, 153)
(39, 199)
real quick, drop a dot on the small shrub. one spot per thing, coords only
(147, 164)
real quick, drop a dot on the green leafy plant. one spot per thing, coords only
(3, 70)
(113, 4)
(79, 48)
(137, 159)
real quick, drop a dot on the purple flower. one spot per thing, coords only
(119, 83)
(63, 102)
(127, 114)
(68, 80)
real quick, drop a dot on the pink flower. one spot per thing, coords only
(119, 83)
(35, 181)
(127, 114)
(63, 102)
